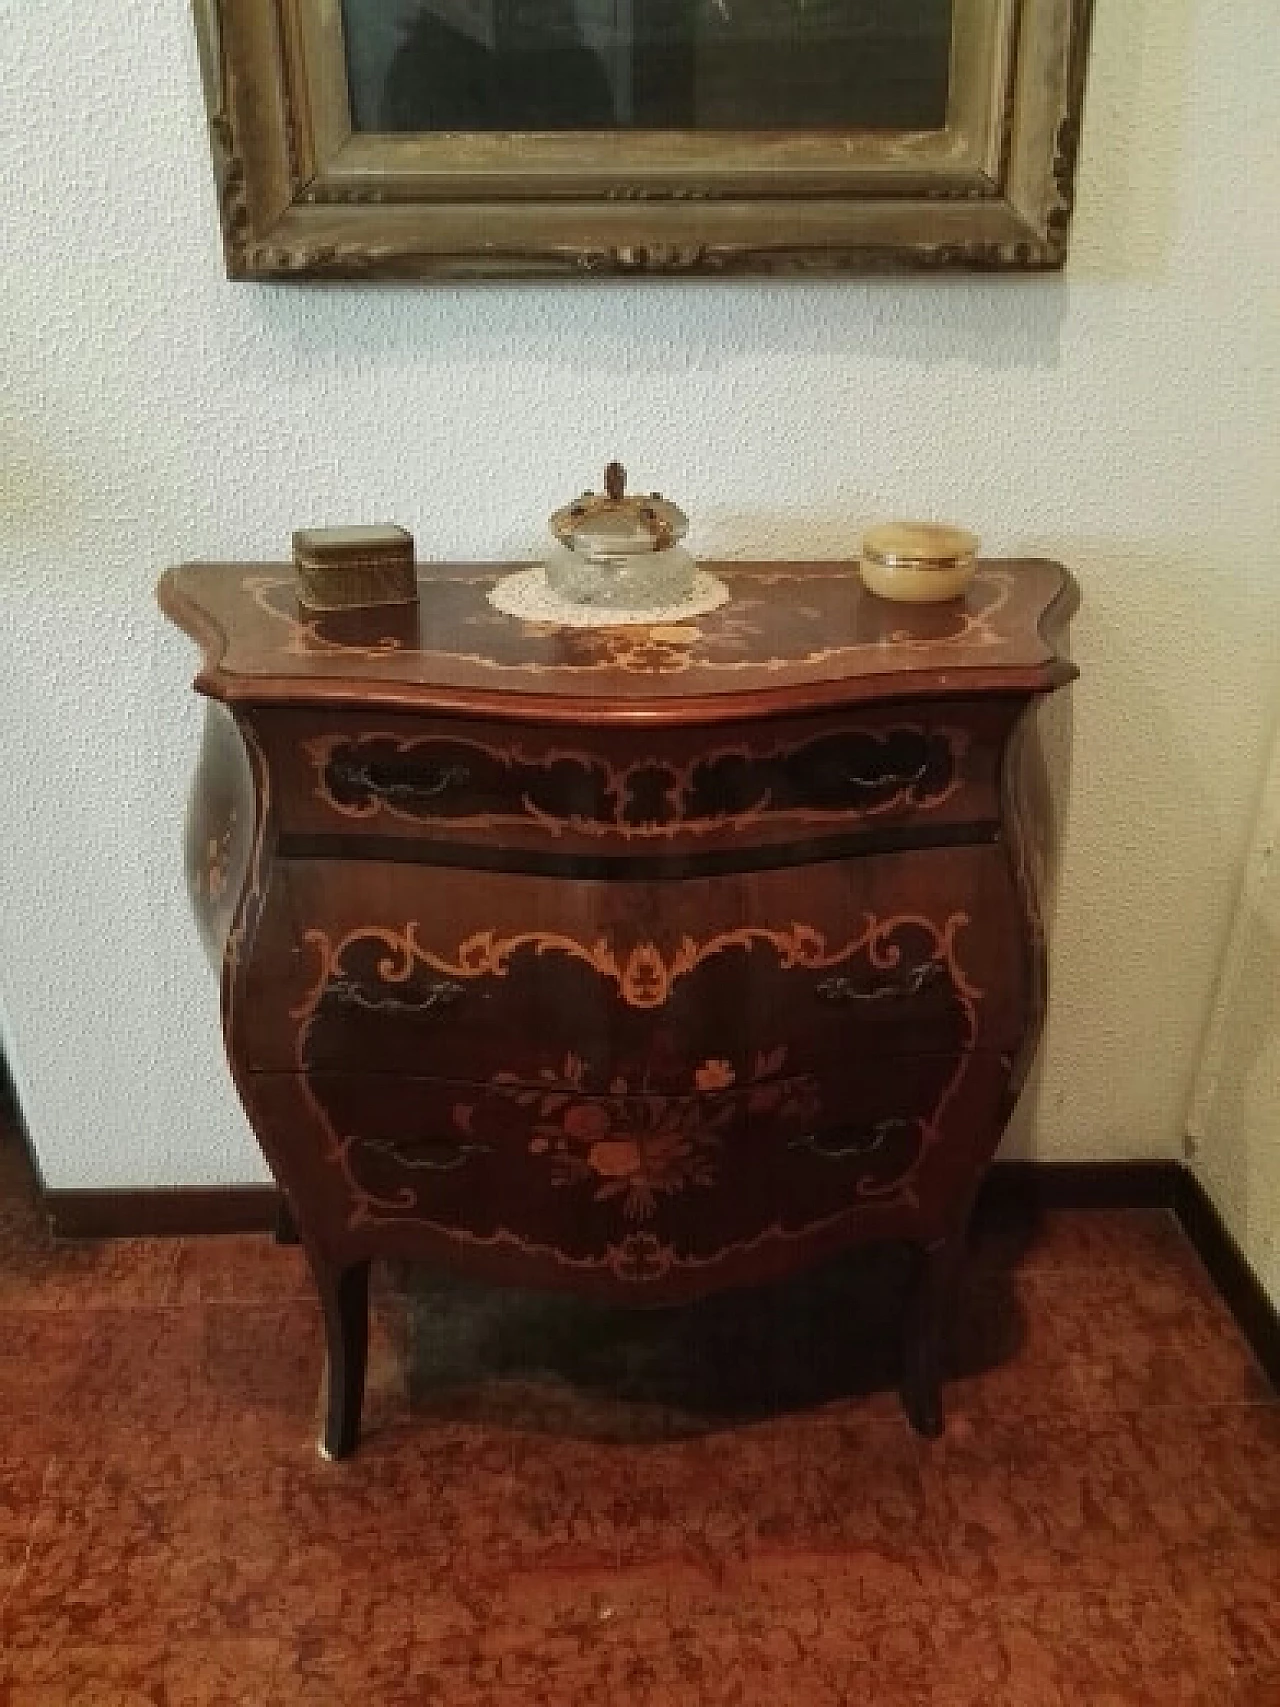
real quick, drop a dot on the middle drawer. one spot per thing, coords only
(679, 985)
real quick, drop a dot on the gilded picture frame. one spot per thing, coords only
(303, 193)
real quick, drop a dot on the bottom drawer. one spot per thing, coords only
(653, 1194)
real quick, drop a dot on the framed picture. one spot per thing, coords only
(479, 138)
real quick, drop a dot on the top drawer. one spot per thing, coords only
(636, 792)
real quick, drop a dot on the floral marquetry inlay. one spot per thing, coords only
(217, 859)
(638, 1136)
(632, 1147)
(800, 635)
(742, 638)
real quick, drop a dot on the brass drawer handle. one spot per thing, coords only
(404, 784)
(840, 1146)
(436, 1158)
(441, 994)
(841, 990)
(899, 778)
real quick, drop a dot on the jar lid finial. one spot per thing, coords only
(609, 524)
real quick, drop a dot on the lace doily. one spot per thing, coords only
(526, 595)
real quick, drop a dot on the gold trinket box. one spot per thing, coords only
(354, 568)
(918, 563)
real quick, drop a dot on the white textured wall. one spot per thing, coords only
(1123, 418)
(1234, 1123)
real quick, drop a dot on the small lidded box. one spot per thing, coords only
(918, 563)
(354, 568)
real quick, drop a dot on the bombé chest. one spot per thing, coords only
(640, 961)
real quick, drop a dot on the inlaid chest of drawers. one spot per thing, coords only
(637, 961)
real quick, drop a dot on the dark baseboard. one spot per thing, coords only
(1241, 1290)
(1084, 1185)
(261, 1208)
(150, 1214)
(1034, 1185)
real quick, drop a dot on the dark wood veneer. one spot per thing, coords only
(744, 967)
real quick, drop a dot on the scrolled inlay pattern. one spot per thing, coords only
(625, 1149)
(846, 774)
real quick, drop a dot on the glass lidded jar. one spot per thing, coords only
(620, 552)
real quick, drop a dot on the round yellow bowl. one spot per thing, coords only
(916, 563)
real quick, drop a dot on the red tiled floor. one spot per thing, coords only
(235, 1270)
(712, 1507)
(1143, 1340)
(1138, 1241)
(1008, 1357)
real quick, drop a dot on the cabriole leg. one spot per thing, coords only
(286, 1231)
(344, 1297)
(925, 1330)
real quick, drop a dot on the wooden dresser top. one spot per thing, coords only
(793, 637)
